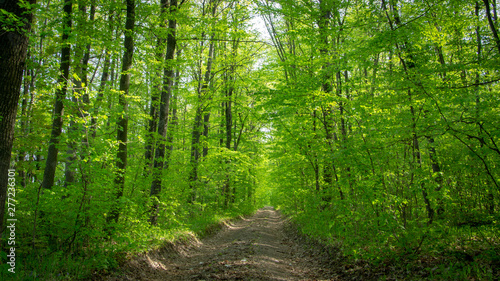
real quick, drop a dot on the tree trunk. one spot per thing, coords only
(100, 93)
(206, 116)
(80, 84)
(13, 50)
(229, 134)
(174, 119)
(326, 86)
(105, 77)
(51, 163)
(198, 126)
(122, 123)
(168, 77)
(157, 89)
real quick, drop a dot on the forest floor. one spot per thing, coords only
(267, 246)
(260, 247)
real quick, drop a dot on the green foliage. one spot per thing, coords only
(65, 231)
(383, 142)
(373, 126)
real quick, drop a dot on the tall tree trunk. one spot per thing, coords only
(490, 196)
(51, 163)
(157, 90)
(122, 123)
(106, 76)
(168, 77)
(82, 53)
(13, 50)
(324, 24)
(195, 155)
(206, 116)
(100, 93)
(198, 126)
(174, 119)
(226, 192)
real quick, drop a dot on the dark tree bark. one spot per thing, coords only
(57, 123)
(195, 154)
(157, 89)
(491, 23)
(168, 78)
(226, 191)
(173, 117)
(206, 116)
(324, 24)
(122, 123)
(13, 50)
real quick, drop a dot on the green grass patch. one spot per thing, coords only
(101, 256)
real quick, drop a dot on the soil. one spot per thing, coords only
(255, 248)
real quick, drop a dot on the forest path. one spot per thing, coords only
(254, 248)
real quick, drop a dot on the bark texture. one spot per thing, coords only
(168, 77)
(13, 50)
(122, 123)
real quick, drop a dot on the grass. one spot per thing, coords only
(445, 250)
(102, 256)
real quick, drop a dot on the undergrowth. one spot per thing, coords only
(100, 256)
(451, 248)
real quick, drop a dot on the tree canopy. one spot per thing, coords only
(374, 124)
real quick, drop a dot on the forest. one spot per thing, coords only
(373, 125)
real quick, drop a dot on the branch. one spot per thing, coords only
(472, 85)
(223, 40)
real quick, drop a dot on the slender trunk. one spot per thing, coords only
(157, 89)
(222, 124)
(82, 53)
(198, 126)
(168, 77)
(106, 76)
(228, 195)
(490, 195)
(51, 163)
(174, 118)
(195, 154)
(229, 135)
(100, 93)
(343, 126)
(122, 123)
(206, 116)
(324, 24)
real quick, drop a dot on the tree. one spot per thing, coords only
(14, 32)
(200, 127)
(166, 94)
(122, 123)
(60, 96)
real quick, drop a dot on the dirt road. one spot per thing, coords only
(254, 248)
